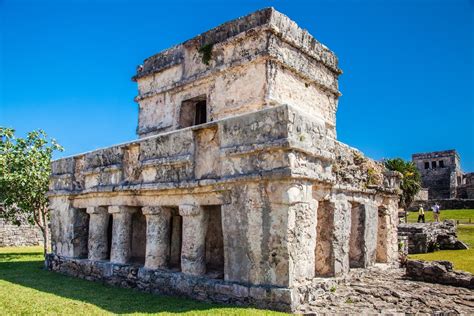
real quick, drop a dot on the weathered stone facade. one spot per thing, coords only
(24, 235)
(237, 190)
(442, 176)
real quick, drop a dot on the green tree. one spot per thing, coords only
(25, 167)
(411, 180)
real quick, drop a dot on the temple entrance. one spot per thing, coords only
(382, 236)
(176, 235)
(324, 240)
(214, 243)
(138, 244)
(81, 233)
(356, 241)
(109, 235)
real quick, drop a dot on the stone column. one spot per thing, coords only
(157, 237)
(98, 225)
(121, 233)
(193, 250)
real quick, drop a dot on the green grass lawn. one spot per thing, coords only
(26, 288)
(462, 259)
(463, 216)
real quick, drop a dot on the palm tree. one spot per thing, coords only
(411, 180)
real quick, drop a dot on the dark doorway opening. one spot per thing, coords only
(356, 240)
(214, 243)
(176, 233)
(109, 236)
(138, 238)
(81, 233)
(193, 111)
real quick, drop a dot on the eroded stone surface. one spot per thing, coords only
(237, 189)
(438, 272)
(428, 237)
(383, 291)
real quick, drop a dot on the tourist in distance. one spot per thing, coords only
(435, 209)
(421, 214)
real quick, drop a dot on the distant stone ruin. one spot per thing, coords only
(237, 190)
(442, 176)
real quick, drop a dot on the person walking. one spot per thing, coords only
(421, 214)
(435, 209)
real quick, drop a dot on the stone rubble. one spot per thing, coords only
(438, 272)
(388, 291)
(428, 237)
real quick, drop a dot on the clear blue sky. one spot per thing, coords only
(407, 84)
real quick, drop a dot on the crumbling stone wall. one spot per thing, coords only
(427, 237)
(248, 198)
(23, 235)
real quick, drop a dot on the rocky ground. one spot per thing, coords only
(390, 292)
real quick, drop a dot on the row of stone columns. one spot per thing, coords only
(158, 243)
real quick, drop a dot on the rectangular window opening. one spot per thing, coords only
(201, 113)
(427, 165)
(441, 164)
(433, 164)
(193, 111)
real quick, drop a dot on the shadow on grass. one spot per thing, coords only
(11, 256)
(27, 271)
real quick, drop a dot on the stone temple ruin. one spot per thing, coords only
(237, 189)
(442, 176)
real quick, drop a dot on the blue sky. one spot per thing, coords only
(65, 67)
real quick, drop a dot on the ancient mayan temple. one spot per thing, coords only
(237, 189)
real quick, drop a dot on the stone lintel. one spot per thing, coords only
(153, 210)
(97, 209)
(146, 199)
(114, 209)
(190, 210)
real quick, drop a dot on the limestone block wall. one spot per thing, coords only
(23, 235)
(285, 64)
(261, 168)
(256, 202)
(423, 238)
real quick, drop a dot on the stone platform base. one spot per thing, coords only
(379, 289)
(173, 283)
